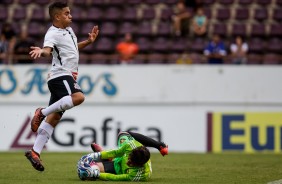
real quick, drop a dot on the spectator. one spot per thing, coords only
(181, 19)
(239, 51)
(22, 49)
(184, 59)
(215, 50)
(200, 23)
(127, 49)
(8, 35)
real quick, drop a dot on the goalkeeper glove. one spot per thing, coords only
(96, 155)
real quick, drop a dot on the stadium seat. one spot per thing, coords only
(242, 14)
(83, 58)
(130, 14)
(98, 59)
(133, 2)
(140, 59)
(112, 14)
(170, 2)
(42, 2)
(19, 14)
(108, 29)
(238, 30)
(35, 29)
(226, 2)
(271, 59)
(126, 27)
(104, 45)
(261, 14)
(76, 28)
(38, 14)
(24, 2)
(81, 3)
(144, 29)
(245, 2)
(258, 30)
(156, 58)
(278, 2)
(3, 14)
(6, 2)
(197, 58)
(256, 45)
(77, 14)
(152, 2)
(198, 45)
(179, 45)
(95, 14)
(277, 14)
(207, 3)
(254, 59)
(166, 14)
(275, 30)
(263, 2)
(144, 44)
(86, 27)
(164, 29)
(161, 44)
(172, 58)
(117, 3)
(223, 14)
(208, 12)
(274, 45)
(148, 13)
(220, 29)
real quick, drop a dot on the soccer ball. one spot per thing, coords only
(87, 169)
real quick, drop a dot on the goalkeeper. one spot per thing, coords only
(131, 161)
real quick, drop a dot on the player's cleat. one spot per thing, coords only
(34, 159)
(164, 150)
(96, 147)
(37, 119)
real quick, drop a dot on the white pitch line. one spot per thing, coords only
(275, 182)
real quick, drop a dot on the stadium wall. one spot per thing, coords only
(193, 108)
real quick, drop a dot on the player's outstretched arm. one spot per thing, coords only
(37, 52)
(91, 38)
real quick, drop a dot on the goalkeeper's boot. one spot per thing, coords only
(163, 149)
(37, 119)
(96, 147)
(34, 159)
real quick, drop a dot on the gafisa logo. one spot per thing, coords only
(250, 132)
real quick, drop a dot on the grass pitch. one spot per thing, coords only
(174, 168)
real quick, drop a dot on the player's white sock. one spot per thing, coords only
(45, 131)
(63, 104)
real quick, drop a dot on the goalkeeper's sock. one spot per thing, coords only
(147, 141)
(44, 133)
(63, 104)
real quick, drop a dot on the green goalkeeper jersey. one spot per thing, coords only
(125, 172)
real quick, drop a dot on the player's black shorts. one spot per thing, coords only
(109, 167)
(62, 86)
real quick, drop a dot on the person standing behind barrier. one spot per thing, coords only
(239, 51)
(215, 50)
(61, 43)
(8, 36)
(127, 49)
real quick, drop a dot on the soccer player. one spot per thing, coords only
(131, 161)
(61, 43)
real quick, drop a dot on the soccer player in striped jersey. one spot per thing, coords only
(61, 44)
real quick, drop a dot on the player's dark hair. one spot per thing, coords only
(139, 156)
(55, 7)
